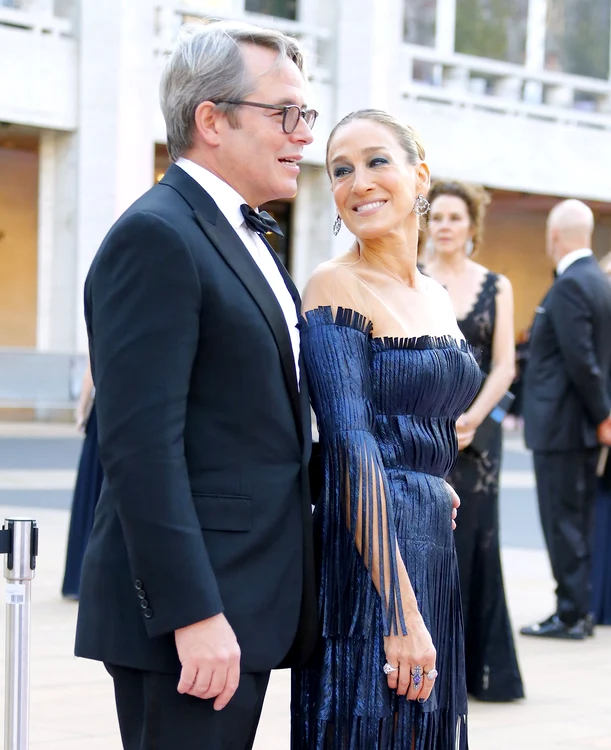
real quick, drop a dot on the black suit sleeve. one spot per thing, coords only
(572, 317)
(144, 295)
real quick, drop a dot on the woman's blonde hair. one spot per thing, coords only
(408, 138)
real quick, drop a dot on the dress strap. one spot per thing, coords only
(491, 282)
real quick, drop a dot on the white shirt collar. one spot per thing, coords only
(570, 258)
(226, 198)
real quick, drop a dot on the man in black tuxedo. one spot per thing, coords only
(198, 578)
(566, 411)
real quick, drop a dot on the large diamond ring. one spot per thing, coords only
(387, 669)
(416, 676)
(432, 674)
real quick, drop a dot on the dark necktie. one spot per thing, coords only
(261, 222)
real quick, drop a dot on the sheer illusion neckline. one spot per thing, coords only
(423, 281)
(346, 317)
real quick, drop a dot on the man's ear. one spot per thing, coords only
(207, 121)
(553, 234)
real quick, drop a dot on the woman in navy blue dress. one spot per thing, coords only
(86, 490)
(389, 374)
(601, 551)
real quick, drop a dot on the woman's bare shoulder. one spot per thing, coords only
(435, 289)
(333, 283)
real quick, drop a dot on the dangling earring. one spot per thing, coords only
(337, 225)
(469, 247)
(421, 206)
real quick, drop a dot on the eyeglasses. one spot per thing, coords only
(290, 113)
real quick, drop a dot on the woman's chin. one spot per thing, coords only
(373, 230)
(447, 250)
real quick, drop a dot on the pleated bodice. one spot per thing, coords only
(420, 387)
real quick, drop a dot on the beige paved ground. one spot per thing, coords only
(569, 684)
(36, 429)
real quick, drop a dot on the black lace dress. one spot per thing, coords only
(491, 663)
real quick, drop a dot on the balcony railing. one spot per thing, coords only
(479, 83)
(33, 15)
(317, 41)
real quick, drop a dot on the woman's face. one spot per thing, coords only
(449, 224)
(373, 184)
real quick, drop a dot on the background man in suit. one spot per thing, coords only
(198, 577)
(566, 411)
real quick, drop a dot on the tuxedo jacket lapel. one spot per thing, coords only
(290, 284)
(303, 383)
(237, 257)
(222, 236)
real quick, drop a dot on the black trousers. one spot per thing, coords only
(566, 488)
(154, 716)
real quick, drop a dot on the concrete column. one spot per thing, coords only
(57, 248)
(445, 26)
(313, 216)
(535, 34)
(87, 179)
(535, 49)
(117, 97)
(369, 35)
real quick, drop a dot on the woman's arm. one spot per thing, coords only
(502, 371)
(337, 358)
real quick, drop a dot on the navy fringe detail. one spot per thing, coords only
(348, 318)
(344, 317)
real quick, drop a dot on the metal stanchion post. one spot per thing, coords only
(19, 541)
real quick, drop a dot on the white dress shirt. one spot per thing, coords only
(229, 202)
(570, 258)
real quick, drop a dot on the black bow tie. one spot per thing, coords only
(260, 222)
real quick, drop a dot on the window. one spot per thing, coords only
(492, 28)
(419, 22)
(577, 38)
(280, 8)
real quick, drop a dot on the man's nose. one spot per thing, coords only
(302, 133)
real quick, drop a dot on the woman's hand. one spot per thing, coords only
(465, 431)
(80, 418)
(408, 652)
(455, 503)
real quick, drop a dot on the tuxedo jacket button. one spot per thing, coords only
(148, 613)
(141, 594)
(138, 584)
(144, 604)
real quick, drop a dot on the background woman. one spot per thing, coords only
(601, 554)
(389, 375)
(483, 303)
(86, 491)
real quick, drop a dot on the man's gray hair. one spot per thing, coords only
(207, 65)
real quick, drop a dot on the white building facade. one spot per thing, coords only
(515, 95)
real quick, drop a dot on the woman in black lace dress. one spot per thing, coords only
(483, 303)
